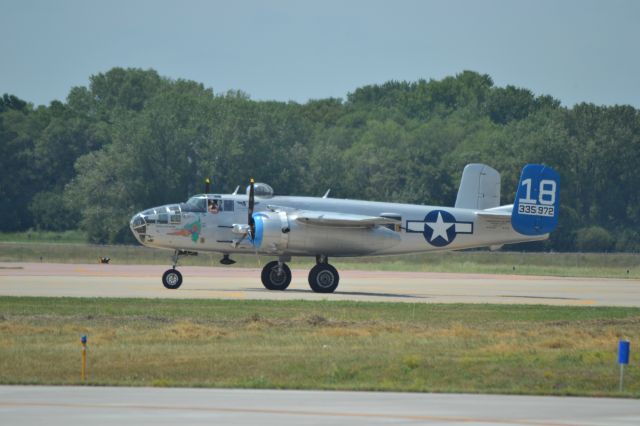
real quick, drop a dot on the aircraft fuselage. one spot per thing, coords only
(419, 228)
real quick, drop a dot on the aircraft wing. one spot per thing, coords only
(342, 219)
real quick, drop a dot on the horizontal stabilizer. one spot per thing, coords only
(494, 216)
(502, 213)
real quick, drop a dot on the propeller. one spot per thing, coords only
(249, 232)
(250, 220)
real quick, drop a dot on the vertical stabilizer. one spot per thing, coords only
(537, 203)
(479, 188)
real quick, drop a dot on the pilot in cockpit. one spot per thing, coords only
(213, 206)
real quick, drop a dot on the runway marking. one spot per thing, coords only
(417, 417)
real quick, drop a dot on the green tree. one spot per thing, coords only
(133, 139)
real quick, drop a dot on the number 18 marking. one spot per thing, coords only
(546, 192)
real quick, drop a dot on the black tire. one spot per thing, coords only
(323, 278)
(172, 279)
(272, 280)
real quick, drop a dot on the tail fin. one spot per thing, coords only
(479, 188)
(535, 209)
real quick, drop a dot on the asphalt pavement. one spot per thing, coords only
(114, 406)
(95, 280)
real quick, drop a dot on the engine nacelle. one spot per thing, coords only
(272, 231)
(276, 232)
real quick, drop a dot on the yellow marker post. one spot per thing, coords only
(83, 371)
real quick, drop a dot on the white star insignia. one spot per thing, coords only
(439, 228)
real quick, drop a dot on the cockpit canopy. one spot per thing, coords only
(262, 190)
(206, 202)
(197, 203)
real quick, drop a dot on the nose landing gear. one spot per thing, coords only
(172, 278)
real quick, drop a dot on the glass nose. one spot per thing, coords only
(138, 226)
(137, 221)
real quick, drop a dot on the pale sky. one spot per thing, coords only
(575, 51)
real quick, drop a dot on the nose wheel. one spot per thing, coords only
(172, 279)
(276, 276)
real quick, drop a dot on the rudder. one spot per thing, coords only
(535, 209)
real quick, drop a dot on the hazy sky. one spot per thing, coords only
(298, 50)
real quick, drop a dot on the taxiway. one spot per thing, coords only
(38, 279)
(36, 405)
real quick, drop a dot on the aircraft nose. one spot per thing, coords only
(138, 227)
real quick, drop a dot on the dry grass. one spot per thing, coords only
(319, 345)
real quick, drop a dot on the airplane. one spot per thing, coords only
(322, 227)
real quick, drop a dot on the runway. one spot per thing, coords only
(36, 405)
(95, 280)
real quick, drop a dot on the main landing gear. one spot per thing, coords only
(172, 278)
(323, 278)
(276, 275)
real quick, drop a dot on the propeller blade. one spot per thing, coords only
(250, 221)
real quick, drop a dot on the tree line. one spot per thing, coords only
(133, 139)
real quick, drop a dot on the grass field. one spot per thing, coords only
(319, 345)
(618, 265)
(32, 236)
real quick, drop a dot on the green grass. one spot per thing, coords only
(33, 236)
(319, 345)
(556, 264)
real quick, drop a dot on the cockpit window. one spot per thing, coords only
(195, 204)
(163, 218)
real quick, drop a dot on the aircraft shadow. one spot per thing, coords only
(538, 297)
(344, 293)
(390, 295)
(347, 293)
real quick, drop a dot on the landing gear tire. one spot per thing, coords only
(172, 279)
(323, 278)
(276, 277)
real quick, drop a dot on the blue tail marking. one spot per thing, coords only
(535, 209)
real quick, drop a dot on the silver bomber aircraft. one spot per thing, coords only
(285, 226)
